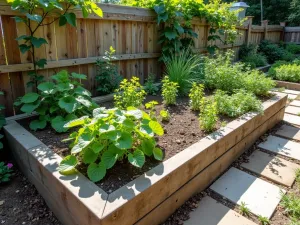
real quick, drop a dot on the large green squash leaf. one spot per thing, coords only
(137, 158)
(30, 98)
(96, 172)
(68, 164)
(68, 103)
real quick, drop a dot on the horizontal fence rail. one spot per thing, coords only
(133, 32)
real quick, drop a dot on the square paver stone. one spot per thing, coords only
(295, 103)
(260, 197)
(292, 110)
(281, 146)
(290, 132)
(292, 119)
(210, 212)
(292, 97)
(274, 168)
(293, 92)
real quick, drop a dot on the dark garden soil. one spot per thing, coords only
(180, 132)
(21, 204)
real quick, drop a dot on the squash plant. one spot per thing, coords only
(35, 12)
(58, 102)
(112, 135)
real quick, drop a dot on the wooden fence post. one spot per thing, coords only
(248, 37)
(264, 24)
(283, 24)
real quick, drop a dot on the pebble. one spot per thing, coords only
(2, 202)
(17, 191)
(178, 141)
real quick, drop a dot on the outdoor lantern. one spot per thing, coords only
(242, 6)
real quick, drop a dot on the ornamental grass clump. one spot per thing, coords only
(58, 101)
(130, 93)
(183, 69)
(112, 135)
(196, 94)
(169, 91)
(236, 104)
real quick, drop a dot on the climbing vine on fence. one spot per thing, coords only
(35, 13)
(176, 17)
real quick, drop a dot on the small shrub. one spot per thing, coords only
(58, 102)
(112, 135)
(151, 106)
(149, 85)
(293, 48)
(257, 83)
(247, 50)
(165, 115)
(272, 51)
(255, 60)
(288, 72)
(263, 220)
(272, 70)
(108, 78)
(5, 172)
(196, 95)
(130, 93)
(169, 91)
(287, 56)
(244, 209)
(237, 104)
(183, 69)
(208, 115)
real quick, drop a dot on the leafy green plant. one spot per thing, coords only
(196, 95)
(273, 52)
(288, 72)
(108, 78)
(58, 102)
(272, 70)
(35, 12)
(255, 60)
(165, 115)
(2, 121)
(150, 86)
(293, 48)
(112, 135)
(291, 203)
(221, 74)
(246, 50)
(130, 93)
(5, 172)
(151, 106)
(237, 104)
(169, 91)
(263, 220)
(244, 209)
(208, 115)
(297, 173)
(183, 69)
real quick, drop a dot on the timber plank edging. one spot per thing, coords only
(288, 85)
(146, 192)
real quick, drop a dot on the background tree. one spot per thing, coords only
(294, 17)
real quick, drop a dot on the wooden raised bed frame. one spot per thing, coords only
(155, 195)
(288, 85)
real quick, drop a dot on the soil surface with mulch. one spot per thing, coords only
(21, 204)
(181, 131)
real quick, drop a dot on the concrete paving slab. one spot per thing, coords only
(274, 168)
(292, 97)
(292, 119)
(281, 146)
(288, 91)
(260, 196)
(295, 103)
(289, 131)
(210, 212)
(292, 110)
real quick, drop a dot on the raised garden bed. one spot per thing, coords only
(151, 197)
(288, 85)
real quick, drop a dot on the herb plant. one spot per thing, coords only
(58, 102)
(196, 95)
(208, 116)
(291, 204)
(151, 106)
(263, 220)
(293, 48)
(130, 93)
(108, 78)
(248, 54)
(5, 172)
(184, 70)
(35, 12)
(237, 104)
(150, 86)
(244, 209)
(165, 115)
(112, 135)
(2, 120)
(288, 72)
(169, 91)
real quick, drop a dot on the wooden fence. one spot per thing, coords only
(292, 35)
(133, 32)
